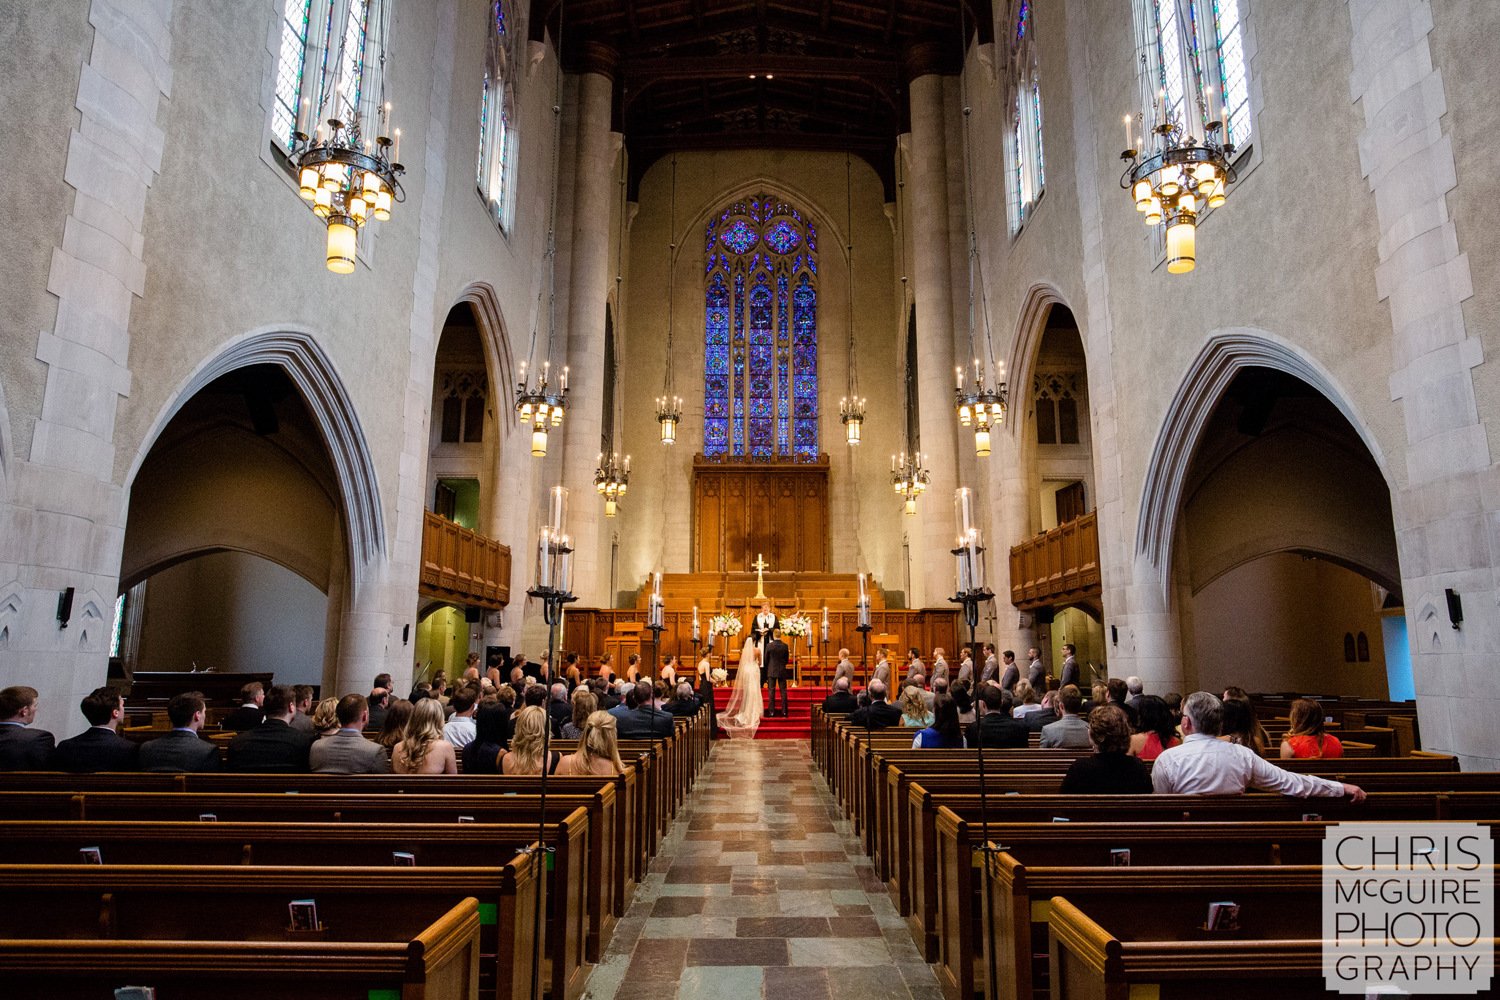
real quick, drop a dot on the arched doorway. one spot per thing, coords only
(235, 536)
(1284, 545)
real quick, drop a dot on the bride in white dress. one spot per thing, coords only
(741, 717)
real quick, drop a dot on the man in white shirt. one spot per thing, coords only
(1205, 765)
(460, 729)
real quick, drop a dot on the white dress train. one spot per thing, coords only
(741, 717)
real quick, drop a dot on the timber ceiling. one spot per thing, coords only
(759, 74)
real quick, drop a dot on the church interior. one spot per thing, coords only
(452, 346)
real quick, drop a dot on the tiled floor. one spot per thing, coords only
(761, 890)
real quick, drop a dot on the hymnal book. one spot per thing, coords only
(403, 859)
(1224, 916)
(304, 914)
(89, 856)
(1119, 857)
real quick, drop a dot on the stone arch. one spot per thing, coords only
(689, 236)
(1026, 345)
(495, 337)
(1224, 355)
(310, 369)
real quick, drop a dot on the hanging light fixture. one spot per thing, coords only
(612, 480)
(539, 402)
(347, 178)
(669, 404)
(980, 403)
(910, 478)
(852, 406)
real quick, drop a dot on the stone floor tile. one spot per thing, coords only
(862, 952)
(719, 983)
(678, 906)
(738, 951)
(797, 983)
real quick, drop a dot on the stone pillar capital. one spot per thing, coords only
(590, 56)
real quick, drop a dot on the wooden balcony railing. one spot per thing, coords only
(1060, 566)
(463, 566)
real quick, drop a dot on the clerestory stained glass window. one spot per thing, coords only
(1193, 66)
(1026, 177)
(495, 176)
(760, 377)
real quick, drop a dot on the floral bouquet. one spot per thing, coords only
(724, 624)
(719, 675)
(798, 626)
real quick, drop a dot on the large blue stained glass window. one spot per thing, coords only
(760, 388)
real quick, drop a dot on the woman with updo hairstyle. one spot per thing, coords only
(914, 714)
(1306, 737)
(525, 753)
(422, 749)
(598, 750)
(584, 705)
(325, 719)
(1111, 771)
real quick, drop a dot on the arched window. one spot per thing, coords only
(1026, 174)
(1192, 65)
(760, 380)
(497, 138)
(326, 42)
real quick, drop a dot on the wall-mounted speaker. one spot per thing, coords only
(65, 607)
(405, 633)
(1114, 635)
(1044, 616)
(473, 614)
(1455, 606)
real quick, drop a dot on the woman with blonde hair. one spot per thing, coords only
(598, 750)
(525, 753)
(914, 713)
(422, 749)
(325, 719)
(584, 705)
(1026, 700)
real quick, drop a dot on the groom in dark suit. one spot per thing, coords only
(777, 672)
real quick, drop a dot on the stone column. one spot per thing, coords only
(588, 293)
(927, 188)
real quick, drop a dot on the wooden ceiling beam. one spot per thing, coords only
(637, 72)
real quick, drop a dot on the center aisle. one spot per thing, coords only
(761, 889)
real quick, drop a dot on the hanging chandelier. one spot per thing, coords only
(668, 404)
(539, 402)
(348, 178)
(910, 478)
(980, 402)
(852, 406)
(1177, 177)
(612, 480)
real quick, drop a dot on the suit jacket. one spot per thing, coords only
(561, 713)
(966, 671)
(179, 750)
(777, 655)
(844, 669)
(880, 715)
(244, 718)
(883, 673)
(684, 707)
(377, 716)
(1070, 731)
(991, 669)
(840, 701)
(999, 731)
(759, 631)
(348, 752)
(1036, 675)
(916, 667)
(939, 669)
(23, 748)
(95, 749)
(1070, 671)
(302, 722)
(644, 724)
(273, 747)
(1010, 677)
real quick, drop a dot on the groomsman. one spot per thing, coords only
(1036, 674)
(1012, 672)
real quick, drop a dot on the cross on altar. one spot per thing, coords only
(760, 565)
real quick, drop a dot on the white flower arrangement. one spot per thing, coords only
(724, 624)
(797, 626)
(719, 675)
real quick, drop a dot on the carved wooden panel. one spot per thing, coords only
(780, 511)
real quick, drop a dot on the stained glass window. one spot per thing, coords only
(290, 70)
(352, 68)
(760, 388)
(1025, 176)
(323, 45)
(495, 177)
(1192, 56)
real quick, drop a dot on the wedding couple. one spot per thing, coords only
(741, 717)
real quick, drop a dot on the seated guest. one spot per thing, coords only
(1306, 737)
(460, 729)
(1157, 731)
(1026, 700)
(1205, 765)
(1098, 695)
(181, 750)
(420, 691)
(347, 751)
(394, 727)
(525, 753)
(840, 700)
(1174, 705)
(273, 747)
(379, 702)
(491, 728)
(584, 705)
(914, 714)
(534, 694)
(422, 749)
(1111, 771)
(1118, 692)
(1070, 731)
(1050, 713)
(250, 713)
(325, 718)
(440, 691)
(99, 747)
(598, 750)
(21, 747)
(945, 732)
(879, 713)
(996, 727)
(1240, 726)
(964, 696)
(1134, 692)
(642, 721)
(559, 708)
(302, 696)
(683, 704)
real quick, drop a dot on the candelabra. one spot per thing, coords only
(981, 405)
(541, 405)
(910, 478)
(612, 480)
(1172, 184)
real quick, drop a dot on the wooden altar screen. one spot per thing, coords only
(780, 511)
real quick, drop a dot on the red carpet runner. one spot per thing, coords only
(796, 726)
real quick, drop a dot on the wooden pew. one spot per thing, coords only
(111, 923)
